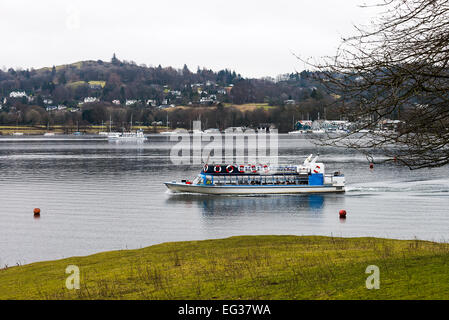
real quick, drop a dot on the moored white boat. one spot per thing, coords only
(128, 136)
(212, 131)
(309, 177)
(298, 132)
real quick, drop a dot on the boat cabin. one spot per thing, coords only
(221, 174)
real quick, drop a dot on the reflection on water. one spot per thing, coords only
(96, 196)
(215, 205)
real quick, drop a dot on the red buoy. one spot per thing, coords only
(37, 212)
(342, 214)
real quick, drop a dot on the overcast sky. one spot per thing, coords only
(255, 38)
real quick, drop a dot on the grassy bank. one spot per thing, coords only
(247, 267)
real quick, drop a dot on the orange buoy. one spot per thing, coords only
(342, 214)
(37, 211)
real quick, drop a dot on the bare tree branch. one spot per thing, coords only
(396, 69)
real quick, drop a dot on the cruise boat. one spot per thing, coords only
(309, 177)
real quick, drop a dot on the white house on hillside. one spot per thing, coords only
(17, 94)
(151, 103)
(51, 108)
(175, 93)
(90, 100)
(130, 102)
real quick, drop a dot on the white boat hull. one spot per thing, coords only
(230, 189)
(127, 138)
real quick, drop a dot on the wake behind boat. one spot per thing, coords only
(309, 177)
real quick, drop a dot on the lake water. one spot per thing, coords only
(98, 196)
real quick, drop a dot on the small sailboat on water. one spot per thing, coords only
(48, 133)
(128, 135)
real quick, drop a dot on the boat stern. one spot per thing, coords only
(338, 181)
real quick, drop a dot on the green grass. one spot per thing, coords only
(246, 267)
(76, 84)
(250, 106)
(100, 83)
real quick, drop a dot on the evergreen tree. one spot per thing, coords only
(114, 60)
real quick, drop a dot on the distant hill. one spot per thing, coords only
(92, 92)
(121, 80)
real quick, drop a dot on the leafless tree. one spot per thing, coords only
(396, 68)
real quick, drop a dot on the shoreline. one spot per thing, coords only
(244, 267)
(8, 131)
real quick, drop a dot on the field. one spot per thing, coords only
(250, 106)
(241, 107)
(246, 267)
(80, 83)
